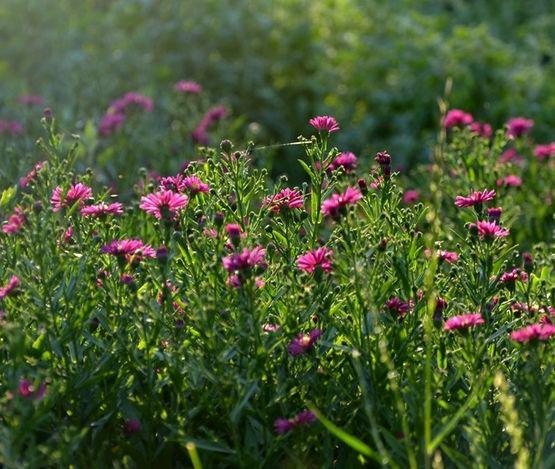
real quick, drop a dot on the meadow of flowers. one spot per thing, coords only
(207, 315)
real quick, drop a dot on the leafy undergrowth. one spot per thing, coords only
(216, 320)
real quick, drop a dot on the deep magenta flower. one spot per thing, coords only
(324, 124)
(283, 425)
(490, 230)
(102, 209)
(187, 87)
(411, 196)
(518, 126)
(534, 332)
(12, 285)
(544, 152)
(286, 198)
(457, 118)
(345, 160)
(476, 198)
(245, 260)
(132, 250)
(77, 193)
(15, 222)
(164, 204)
(482, 129)
(27, 390)
(463, 321)
(512, 276)
(397, 306)
(321, 258)
(494, 214)
(337, 203)
(303, 342)
(194, 185)
(233, 230)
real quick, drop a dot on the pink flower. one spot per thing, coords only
(286, 198)
(31, 100)
(543, 152)
(397, 306)
(233, 230)
(476, 198)
(482, 129)
(187, 87)
(12, 285)
(10, 127)
(164, 204)
(509, 181)
(411, 196)
(110, 122)
(303, 342)
(494, 214)
(345, 160)
(510, 277)
(324, 123)
(31, 175)
(333, 206)
(245, 260)
(457, 118)
(464, 321)
(533, 332)
(27, 390)
(320, 258)
(212, 116)
(131, 99)
(15, 222)
(102, 209)
(518, 126)
(132, 250)
(270, 327)
(490, 230)
(77, 193)
(305, 417)
(194, 185)
(510, 155)
(131, 426)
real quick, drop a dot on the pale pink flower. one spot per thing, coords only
(187, 87)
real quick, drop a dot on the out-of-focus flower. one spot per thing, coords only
(534, 332)
(483, 129)
(324, 124)
(397, 306)
(303, 343)
(544, 152)
(27, 390)
(457, 118)
(15, 222)
(131, 426)
(110, 123)
(494, 214)
(12, 285)
(31, 100)
(12, 128)
(345, 160)
(31, 175)
(321, 258)
(187, 87)
(510, 155)
(463, 321)
(411, 196)
(245, 260)
(518, 126)
(509, 181)
(212, 116)
(283, 425)
(77, 193)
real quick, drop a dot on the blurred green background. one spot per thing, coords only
(378, 66)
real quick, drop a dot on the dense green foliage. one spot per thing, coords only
(378, 66)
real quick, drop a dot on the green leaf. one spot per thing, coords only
(7, 196)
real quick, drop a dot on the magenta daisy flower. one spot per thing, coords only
(245, 260)
(303, 342)
(457, 118)
(345, 160)
(544, 152)
(320, 258)
(77, 193)
(324, 124)
(475, 199)
(534, 332)
(397, 306)
(132, 250)
(337, 203)
(518, 126)
(164, 204)
(463, 321)
(102, 209)
(194, 185)
(286, 198)
(490, 230)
